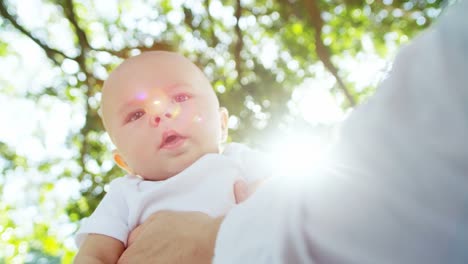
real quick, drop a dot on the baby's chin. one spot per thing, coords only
(158, 177)
(161, 176)
(171, 169)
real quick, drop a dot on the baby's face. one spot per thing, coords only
(161, 113)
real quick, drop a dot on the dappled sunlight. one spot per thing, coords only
(298, 151)
(313, 101)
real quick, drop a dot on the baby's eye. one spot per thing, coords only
(134, 116)
(181, 98)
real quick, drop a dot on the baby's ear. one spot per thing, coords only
(121, 162)
(224, 117)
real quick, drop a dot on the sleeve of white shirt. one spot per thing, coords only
(396, 188)
(110, 217)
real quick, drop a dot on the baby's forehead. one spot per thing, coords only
(154, 58)
(152, 71)
(161, 65)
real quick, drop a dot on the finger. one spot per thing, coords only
(241, 191)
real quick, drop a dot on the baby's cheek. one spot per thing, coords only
(197, 119)
(190, 120)
(141, 153)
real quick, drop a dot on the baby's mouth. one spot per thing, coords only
(171, 139)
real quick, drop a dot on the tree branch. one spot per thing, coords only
(214, 38)
(69, 9)
(322, 51)
(90, 80)
(126, 52)
(51, 53)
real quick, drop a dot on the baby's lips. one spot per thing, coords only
(169, 135)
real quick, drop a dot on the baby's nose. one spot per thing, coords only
(156, 120)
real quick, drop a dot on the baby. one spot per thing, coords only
(164, 118)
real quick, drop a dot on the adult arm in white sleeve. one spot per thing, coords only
(396, 188)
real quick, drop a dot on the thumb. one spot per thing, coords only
(241, 191)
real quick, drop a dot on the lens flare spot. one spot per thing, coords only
(175, 112)
(157, 102)
(197, 119)
(141, 96)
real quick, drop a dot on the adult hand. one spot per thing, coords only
(174, 237)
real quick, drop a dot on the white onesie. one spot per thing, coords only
(205, 186)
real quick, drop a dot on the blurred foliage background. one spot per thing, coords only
(55, 54)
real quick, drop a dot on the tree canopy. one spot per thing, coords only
(56, 54)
